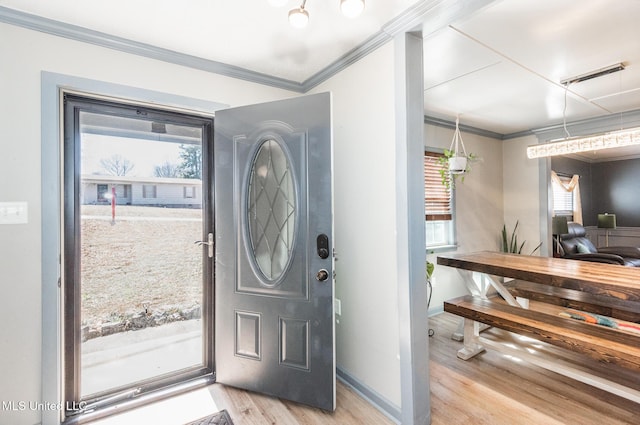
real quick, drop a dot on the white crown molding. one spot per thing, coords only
(429, 120)
(77, 33)
(425, 14)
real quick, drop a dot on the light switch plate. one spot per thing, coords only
(14, 213)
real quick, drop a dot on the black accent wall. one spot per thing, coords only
(612, 187)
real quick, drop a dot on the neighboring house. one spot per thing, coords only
(157, 191)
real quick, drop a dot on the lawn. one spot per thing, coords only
(147, 260)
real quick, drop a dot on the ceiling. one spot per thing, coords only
(250, 34)
(501, 69)
(498, 69)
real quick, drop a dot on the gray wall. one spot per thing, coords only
(616, 187)
(611, 187)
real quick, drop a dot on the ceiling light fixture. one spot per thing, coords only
(585, 144)
(568, 144)
(299, 17)
(594, 74)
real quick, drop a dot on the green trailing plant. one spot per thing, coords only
(510, 242)
(429, 269)
(448, 178)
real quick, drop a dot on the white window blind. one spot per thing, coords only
(562, 200)
(437, 197)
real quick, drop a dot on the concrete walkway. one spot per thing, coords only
(123, 358)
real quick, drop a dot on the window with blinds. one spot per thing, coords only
(437, 197)
(562, 200)
(439, 213)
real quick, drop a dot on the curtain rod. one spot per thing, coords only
(561, 174)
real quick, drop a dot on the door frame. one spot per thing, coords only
(52, 85)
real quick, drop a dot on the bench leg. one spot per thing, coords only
(480, 289)
(458, 334)
(477, 289)
(472, 344)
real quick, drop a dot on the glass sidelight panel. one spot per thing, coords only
(138, 291)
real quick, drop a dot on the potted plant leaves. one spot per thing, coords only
(456, 162)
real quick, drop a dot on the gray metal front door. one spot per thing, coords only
(274, 249)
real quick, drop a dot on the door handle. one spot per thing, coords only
(322, 275)
(209, 244)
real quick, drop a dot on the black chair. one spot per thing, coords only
(576, 246)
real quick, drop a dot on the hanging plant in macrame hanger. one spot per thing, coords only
(455, 162)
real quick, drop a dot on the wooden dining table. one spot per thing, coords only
(595, 278)
(617, 284)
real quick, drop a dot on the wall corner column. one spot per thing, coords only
(411, 255)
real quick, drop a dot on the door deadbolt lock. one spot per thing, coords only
(322, 275)
(322, 246)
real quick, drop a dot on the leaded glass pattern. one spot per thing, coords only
(271, 210)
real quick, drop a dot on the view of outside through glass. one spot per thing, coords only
(141, 273)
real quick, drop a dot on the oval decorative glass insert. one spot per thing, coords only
(271, 210)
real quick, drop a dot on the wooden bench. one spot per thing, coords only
(609, 358)
(579, 300)
(606, 345)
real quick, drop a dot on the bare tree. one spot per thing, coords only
(116, 165)
(167, 169)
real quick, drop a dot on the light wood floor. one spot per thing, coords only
(489, 389)
(253, 409)
(494, 389)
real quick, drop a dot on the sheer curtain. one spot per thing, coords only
(572, 186)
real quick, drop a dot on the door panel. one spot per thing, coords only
(274, 317)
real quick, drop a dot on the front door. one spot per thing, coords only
(274, 249)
